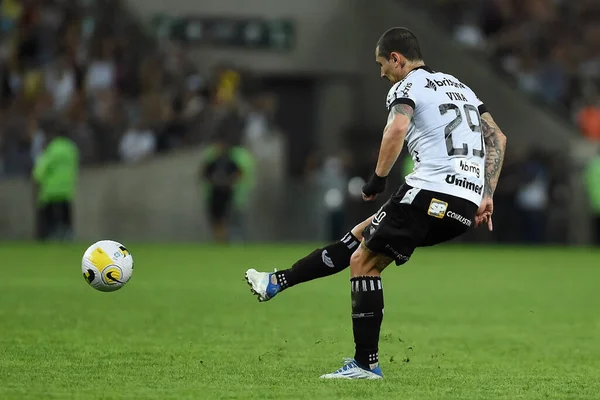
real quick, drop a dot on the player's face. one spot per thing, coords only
(390, 68)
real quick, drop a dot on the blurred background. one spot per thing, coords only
(238, 121)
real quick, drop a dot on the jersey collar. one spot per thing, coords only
(423, 67)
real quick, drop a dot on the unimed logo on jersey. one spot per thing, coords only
(464, 183)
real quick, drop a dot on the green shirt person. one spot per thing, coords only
(55, 174)
(228, 175)
(592, 177)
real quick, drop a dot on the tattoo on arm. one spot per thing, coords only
(495, 146)
(403, 109)
(393, 138)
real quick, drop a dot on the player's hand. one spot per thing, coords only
(373, 187)
(484, 213)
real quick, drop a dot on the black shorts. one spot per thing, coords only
(414, 218)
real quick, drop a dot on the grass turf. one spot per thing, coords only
(459, 323)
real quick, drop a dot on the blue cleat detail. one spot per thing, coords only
(263, 284)
(351, 370)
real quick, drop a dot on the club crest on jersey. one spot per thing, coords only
(467, 167)
(437, 208)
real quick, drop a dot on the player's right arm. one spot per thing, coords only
(401, 104)
(495, 146)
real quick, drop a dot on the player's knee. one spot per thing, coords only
(355, 259)
(360, 265)
(356, 265)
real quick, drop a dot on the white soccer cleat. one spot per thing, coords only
(351, 370)
(263, 284)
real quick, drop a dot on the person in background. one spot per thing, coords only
(332, 177)
(220, 172)
(532, 198)
(592, 177)
(588, 118)
(55, 178)
(242, 189)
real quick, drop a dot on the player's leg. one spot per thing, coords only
(367, 315)
(322, 262)
(367, 304)
(394, 233)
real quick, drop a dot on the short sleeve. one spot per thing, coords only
(480, 106)
(401, 93)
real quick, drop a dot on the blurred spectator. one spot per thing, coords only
(137, 144)
(589, 119)
(220, 172)
(16, 148)
(122, 97)
(332, 175)
(55, 178)
(532, 198)
(61, 82)
(259, 122)
(593, 186)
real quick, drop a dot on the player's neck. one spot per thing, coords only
(414, 65)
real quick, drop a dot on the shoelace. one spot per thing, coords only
(347, 363)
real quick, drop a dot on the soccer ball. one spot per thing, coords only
(107, 265)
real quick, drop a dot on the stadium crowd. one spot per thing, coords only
(551, 48)
(121, 96)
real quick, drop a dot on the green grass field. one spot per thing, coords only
(459, 323)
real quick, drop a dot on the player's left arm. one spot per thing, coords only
(495, 146)
(394, 133)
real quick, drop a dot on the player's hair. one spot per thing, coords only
(399, 40)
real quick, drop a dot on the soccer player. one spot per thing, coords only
(458, 152)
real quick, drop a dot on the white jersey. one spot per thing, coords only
(444, 138)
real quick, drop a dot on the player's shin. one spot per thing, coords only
(322, 262)
(367, 316)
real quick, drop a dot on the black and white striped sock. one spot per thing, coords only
(322, 262)
(367, 316)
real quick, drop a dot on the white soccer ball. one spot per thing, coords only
(107, 265)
